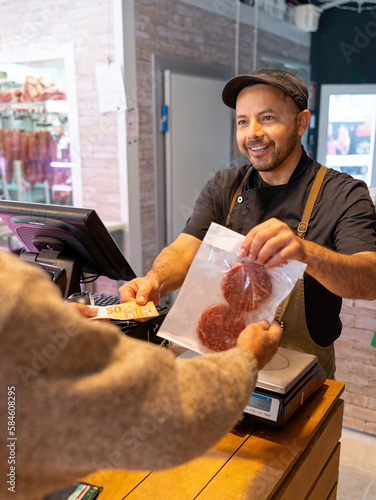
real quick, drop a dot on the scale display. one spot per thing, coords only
(263, 407)
(260, 402)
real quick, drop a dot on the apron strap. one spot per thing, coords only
(238, 192)
(303, 224)
(302, 229)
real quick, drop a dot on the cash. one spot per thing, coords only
(126, 310)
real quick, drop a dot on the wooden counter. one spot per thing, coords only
(256, 462)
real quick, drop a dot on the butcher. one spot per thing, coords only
(287, 206)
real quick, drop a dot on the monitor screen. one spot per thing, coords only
(347, 129)
(60, 237)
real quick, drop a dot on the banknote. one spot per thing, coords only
(126, 310)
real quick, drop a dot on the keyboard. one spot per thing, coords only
(101, 299)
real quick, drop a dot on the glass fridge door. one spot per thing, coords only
(35, 133)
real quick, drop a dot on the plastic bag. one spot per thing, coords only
(208, 315)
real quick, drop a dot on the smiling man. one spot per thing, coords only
(269, 128)
(288, 207)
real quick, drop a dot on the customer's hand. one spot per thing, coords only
(86, 311)
(262, 340)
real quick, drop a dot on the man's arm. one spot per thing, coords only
(166, 274)
(351, 276)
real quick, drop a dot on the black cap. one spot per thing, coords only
(289, 83)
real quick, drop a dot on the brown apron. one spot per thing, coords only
(291, 311)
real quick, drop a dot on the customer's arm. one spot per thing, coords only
(90, 398)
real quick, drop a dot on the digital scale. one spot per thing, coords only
(282, 385)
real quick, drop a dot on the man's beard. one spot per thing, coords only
(278, 156)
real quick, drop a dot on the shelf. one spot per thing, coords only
(52, 106)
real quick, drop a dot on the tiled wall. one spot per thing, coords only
(356, 364)
(356, 361)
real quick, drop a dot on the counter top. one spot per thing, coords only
(255, 461)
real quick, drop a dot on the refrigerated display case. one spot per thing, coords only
(35, 138)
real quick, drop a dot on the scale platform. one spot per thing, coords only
(283, 385)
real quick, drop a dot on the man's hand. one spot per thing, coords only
(142, 290)
(166, 274)
(262, 340)
(350, 276)
(272, 243)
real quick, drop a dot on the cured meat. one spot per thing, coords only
(246, 286)
(43, 145)
(33, 146)
(51, 94)
(41, 88)
(2, 147)
(24, 154)
(219, 326)
(52, 141)
(11, 95)
(9, 166)
(16, 144)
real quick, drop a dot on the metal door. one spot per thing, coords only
(197, 142)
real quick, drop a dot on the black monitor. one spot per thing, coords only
(72, 244)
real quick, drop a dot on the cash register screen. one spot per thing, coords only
(76, 234)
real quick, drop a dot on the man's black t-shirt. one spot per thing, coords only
(343, 220)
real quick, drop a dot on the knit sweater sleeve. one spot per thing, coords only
(90, 398)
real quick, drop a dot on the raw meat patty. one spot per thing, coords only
(246, 286)
(218, 327)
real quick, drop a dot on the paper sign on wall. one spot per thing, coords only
(110, 86)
